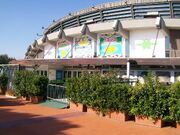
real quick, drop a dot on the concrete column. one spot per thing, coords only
(128, 69)
(172, 78)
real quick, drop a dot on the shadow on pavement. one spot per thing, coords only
(18, 123)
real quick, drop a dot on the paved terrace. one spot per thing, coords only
(20, 118)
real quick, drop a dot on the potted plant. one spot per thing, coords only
(119, 102)
(38, 88)
(74, 94)
(23, 83)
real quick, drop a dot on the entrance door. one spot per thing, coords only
(59, 75)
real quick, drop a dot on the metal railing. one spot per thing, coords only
(56, 92)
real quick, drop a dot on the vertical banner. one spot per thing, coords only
(110, 45)
(83, 47)
(63, 49)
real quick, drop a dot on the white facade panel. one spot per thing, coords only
(49, 51)
(40, 55)
(144, 44)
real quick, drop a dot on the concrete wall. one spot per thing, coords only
(52, 74)
(142, 43)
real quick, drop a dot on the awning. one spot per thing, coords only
(100, 61)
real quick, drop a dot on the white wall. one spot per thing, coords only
(52, 74)
(49, 51)
(142, 43)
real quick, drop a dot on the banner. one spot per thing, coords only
(83, 47)
(110, 45)
(63, 49)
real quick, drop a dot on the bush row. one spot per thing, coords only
(28, 83)
(106, 94)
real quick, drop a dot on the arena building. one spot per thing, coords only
(130, 37)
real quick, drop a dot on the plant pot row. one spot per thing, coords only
(122, 117)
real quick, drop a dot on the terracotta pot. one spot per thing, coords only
(178, 126)
(78, 107)
(149, 121)
(36, 99)
(119, 116)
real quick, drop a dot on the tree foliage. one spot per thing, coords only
(28, 83)
(5, 59)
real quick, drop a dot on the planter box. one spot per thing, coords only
(119, 116)
(22, 98)
(178, 126)
(92, 111)
(78, 107)
(36, 99)
(149, 122)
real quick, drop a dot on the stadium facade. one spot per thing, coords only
(130, 37)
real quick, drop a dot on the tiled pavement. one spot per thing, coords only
(19, 118)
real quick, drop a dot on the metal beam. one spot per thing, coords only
(160, 24)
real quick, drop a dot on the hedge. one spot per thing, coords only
(107, 94)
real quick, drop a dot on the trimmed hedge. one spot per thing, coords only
(102, 93)
(106, 94)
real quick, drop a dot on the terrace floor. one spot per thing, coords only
(21, 118)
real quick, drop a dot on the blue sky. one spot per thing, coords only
(20, 20)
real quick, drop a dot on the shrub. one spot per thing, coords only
(72, 89)
(3, 82)
(120, 97)
(40, 86)
(150, 99)
(175, 102)
(23, 82)
(28, 83)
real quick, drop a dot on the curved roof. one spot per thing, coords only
(73, 17)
